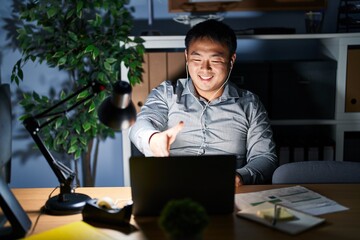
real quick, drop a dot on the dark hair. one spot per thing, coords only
(214, 30)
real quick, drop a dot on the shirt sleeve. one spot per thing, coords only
(151, 119)
(261, 151)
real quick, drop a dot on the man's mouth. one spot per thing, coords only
(205, 78)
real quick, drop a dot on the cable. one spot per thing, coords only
(212, 97)
(206, 104)
(53, 191)
(42, 211)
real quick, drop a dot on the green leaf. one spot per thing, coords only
(77, 154)
(49, 29)
(98, 20)
(62, 61)
(58, 54)
(102, 76)
(83, 140)
(79, 14)
(77, 128)
(95, 53)
(70, 13)
(22, 118)
(65, 134)
(86, 126)
(58, 141)
(107, 66)
(73, 36)
(62, 94)
(72, 149)
(58, 123)
(79, 6)
(20, 74)
(52, 12)
(36, 96)
(92, 107)
(111, 60)
(82, 95)
(89, 48)
(73, 141)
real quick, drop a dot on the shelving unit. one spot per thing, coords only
(335, 47)
(348, 16)
(245, 5)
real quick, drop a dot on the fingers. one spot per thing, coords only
(238, 181)
(160, 142)
(158, 145)
(172, 132)
(179, 127)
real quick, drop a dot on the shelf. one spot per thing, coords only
(167, 42)
(245, 5)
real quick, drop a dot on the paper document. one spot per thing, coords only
(292, 222)
(296, 197)
(72, 231)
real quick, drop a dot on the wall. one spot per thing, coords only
(30, 169)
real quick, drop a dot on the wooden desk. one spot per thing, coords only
(341, 225)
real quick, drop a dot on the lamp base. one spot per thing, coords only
(72, 203)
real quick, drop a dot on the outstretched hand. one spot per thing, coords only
(160, 142)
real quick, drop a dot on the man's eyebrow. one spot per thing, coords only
(195, 53)
(216, 54)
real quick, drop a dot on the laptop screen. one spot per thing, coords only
(208, 180)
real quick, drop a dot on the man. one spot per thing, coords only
(206, 114)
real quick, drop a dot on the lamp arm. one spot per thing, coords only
(64, 174)
(96, 88)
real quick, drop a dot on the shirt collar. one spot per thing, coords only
(186, 87)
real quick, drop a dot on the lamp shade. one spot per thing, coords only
(118, 111)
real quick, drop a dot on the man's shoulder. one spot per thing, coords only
(175, 86)
(236, 91)
(168, 90)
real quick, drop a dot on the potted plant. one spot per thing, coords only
(183, 219)
(88, 39)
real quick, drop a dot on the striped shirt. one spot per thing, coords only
(236, 123)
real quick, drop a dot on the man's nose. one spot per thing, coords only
(206, 65)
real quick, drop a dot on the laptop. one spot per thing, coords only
(208, 180)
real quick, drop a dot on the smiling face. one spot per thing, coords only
(209, 64)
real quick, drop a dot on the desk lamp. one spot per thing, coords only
(117, 111)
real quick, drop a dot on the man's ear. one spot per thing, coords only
(232, 60)
(186, 59)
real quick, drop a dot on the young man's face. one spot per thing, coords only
(209, 64)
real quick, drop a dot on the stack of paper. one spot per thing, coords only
(300, 204)
(291, 221)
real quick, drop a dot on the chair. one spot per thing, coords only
(317, 172)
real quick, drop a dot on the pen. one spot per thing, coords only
(277, 210)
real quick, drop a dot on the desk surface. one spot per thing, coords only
(340, 225)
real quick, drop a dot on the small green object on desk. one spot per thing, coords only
(282, 214)
(183, 219)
